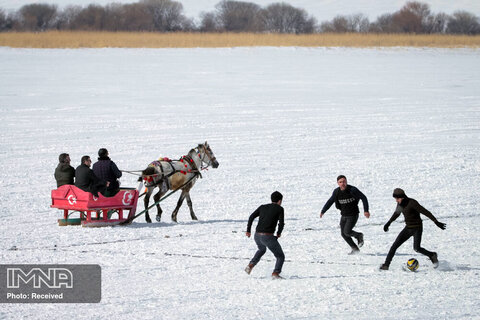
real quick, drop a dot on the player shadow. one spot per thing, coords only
(446, 266)
(384, 254)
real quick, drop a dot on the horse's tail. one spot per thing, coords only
(149, 171)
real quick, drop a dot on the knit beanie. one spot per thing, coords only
(399, 193)
(102, 152)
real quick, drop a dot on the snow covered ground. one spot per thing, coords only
(287, 119)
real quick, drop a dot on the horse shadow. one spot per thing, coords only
(145, 225)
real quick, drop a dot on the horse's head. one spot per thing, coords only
(206, 155)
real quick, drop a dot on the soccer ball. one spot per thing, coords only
(412, 264)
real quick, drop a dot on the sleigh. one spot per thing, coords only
(94, 211)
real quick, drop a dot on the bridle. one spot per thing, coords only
(206, 153)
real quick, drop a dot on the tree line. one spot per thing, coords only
(231, 16)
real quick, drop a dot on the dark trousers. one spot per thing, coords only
(346, 228)
(403, 236)
(271, 242)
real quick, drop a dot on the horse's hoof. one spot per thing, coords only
(194, 218)
(148, 220)
(158, 218)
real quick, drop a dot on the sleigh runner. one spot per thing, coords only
(94, 211)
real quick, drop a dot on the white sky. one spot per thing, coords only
(320, 9)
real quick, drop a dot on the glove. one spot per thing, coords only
(441, 225)
(385, 227)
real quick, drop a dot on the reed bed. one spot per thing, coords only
(76, 39)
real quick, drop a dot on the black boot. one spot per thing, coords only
(434, 259)
(384, 267)
(360, 240)
(276, 275)
(249, 268)
(354, 251)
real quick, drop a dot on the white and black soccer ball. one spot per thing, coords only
(412, 264)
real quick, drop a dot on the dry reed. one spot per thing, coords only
(76, 39)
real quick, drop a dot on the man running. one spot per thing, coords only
(270, 214)
(411, 210)
(346, 198)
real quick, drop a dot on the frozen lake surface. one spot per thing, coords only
(287, 119)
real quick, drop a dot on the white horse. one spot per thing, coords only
(166, 174)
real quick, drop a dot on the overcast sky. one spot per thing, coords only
(320, 9)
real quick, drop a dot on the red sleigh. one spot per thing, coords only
(94, 211)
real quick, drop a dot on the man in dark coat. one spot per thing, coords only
(411, 210)
(107, 170)
(270, 214)
(346, 198)
(64, 173)
(86, 179)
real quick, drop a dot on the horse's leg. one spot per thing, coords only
(146, 201)
(179, 204)
(189, 202)
(157, 197)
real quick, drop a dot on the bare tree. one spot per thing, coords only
(37, 16)
(463, 22)
(231, 16)
(167, 15)
(437, 23)
(90, 18)
(3, 20)
(67, 16)
(238, 16)
(358, 23)
(419, 9)
(137, 17)
(341, 24)
(413, 17)
(209, 22)
(384, 24)
(406, 21)
(115, 17)
(284, 18)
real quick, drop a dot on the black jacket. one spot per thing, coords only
(270, 215)
(411, 210)
(107, 170)
(64, 174)
(86, 180)
(347, 201)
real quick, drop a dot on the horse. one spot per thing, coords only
(166, 174)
